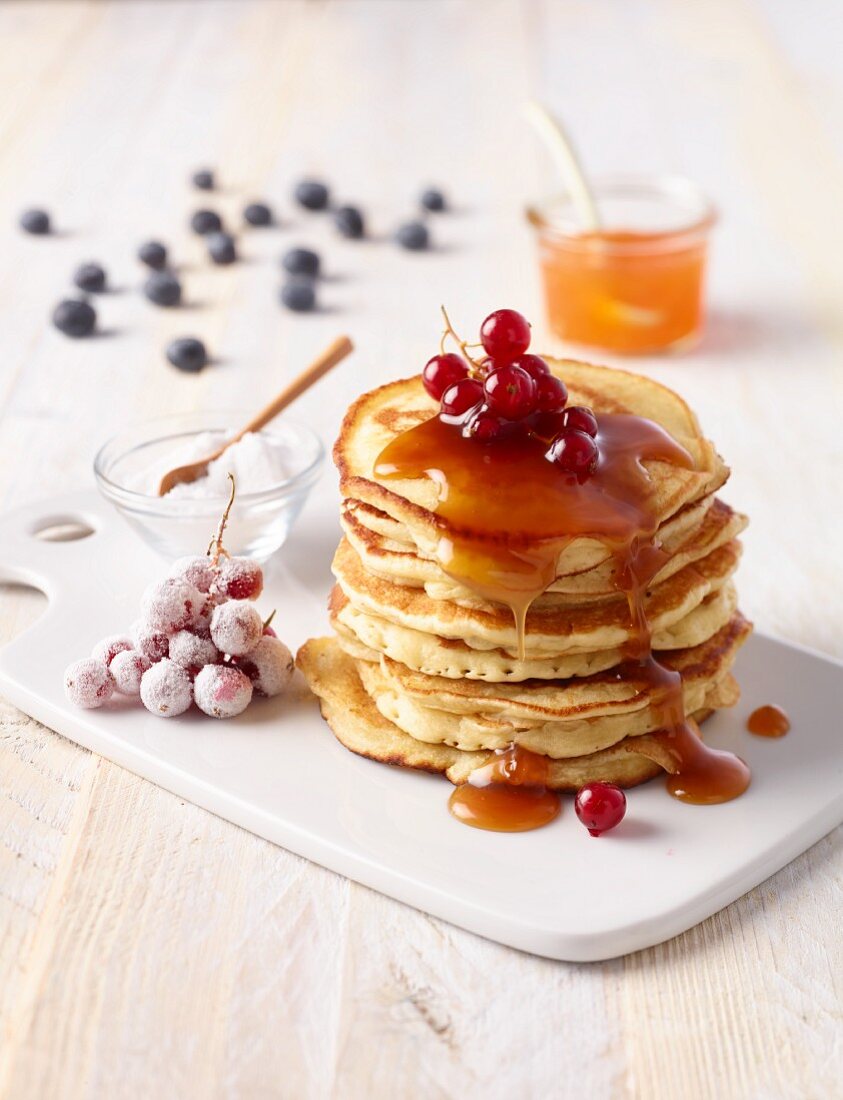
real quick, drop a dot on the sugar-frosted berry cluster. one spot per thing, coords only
(508, 390)
(200, 639)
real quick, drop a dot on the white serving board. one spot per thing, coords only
(278, 771)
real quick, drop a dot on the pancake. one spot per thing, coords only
(694, 532)
(358, 724)
(552, 629)
(376, 418)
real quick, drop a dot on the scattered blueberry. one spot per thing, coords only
(187, 354)
(301, 261)
(299, 295)
(153, 254)
(204, 179)
(221, 248)
(163, 288)
(75, 317)
(90, 277)
(36, 222)
(311, 194)
(206, 221)
(349, 222)
(432, 199)
(413, 235)
(258, 213)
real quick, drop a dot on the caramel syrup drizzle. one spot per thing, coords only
(509, 513)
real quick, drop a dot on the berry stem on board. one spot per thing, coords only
(216, 550)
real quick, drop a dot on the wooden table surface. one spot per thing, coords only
(148, 948)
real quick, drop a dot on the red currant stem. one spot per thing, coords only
(449, 331)
(268, 621)
(215, 546)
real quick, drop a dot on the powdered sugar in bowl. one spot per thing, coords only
(275, 470)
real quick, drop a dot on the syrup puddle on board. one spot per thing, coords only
(509, 513)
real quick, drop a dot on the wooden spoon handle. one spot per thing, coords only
(333, 354)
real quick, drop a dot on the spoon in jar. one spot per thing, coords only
(561, 148)
(335, 353)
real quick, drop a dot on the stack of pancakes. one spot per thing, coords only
(423, 672)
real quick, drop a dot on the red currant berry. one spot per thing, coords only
(581, 419)
(505, 335)
(600, 807)
(484, 426)
(510, 392)
(442, 371)
(575, 453)
(461, 397)
(551, 394)
(534, 365)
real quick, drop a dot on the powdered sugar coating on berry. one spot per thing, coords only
(236, 627)
(222, 691)
(88, 683)
(109, 647)
(127, 668)
(153, 644)
(165, 689)
(200, 572)
(240, 579)
(269, 666)
(192, 652)
(171, 605)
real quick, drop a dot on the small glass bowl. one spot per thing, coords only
(636, 286)
(259, 523)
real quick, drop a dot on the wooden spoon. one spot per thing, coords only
(338, 350)
(561, 148)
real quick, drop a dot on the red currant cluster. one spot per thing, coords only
(489, 399)
(200, 639)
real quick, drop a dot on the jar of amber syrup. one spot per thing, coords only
(636, 284)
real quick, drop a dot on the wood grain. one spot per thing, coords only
(150, 949)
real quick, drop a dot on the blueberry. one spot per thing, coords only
(36, 222)
(163, 289)
(153, 254)
(311, 194)
(206, 221)
(301, 261)
(187, 354)
(299, 295)
(221, 248)
(349, 221)
(413, 235)
(258, 213)
(75, 317)
(432, 199)
(90, 277)
(203, 179)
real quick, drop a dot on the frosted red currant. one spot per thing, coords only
(108, 648)
(581, 419)
(152, 644)
(551, 394)
(461, 397)
(575, 453)
(127, 668)
(193, 652)
(510, 392)
(222, 691)
(236, 627)
(171, 605)
(165, 689)
(88, 683)
(534, 365)
(239, 579)
(442, 371)
(505, 334)
(600, 807)
(200, 572)
(269, 666)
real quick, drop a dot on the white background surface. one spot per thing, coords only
(147, 946)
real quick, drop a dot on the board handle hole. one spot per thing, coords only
(62, 529)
